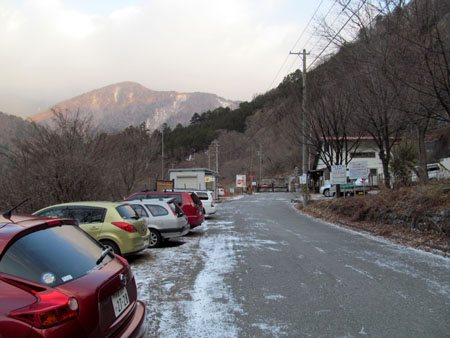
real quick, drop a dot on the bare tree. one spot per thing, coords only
(58, 164)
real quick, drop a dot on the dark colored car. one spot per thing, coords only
(57, 281)
(189, 202)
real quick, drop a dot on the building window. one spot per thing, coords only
(366, 154)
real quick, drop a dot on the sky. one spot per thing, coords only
(53, 50)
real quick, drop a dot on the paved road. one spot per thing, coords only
(262, 269)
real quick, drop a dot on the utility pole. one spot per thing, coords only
(216, 143)
(209, 157)
(260, 163)
(304, 161)
(162, 153)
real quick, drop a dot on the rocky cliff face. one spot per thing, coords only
(121, 105)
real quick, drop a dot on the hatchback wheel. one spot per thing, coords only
(111, 245)
(155, 238)
(327, 192)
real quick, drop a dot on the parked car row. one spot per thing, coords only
(164, 218)
(189, 202)
(61, 270)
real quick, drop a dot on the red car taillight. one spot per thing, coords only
(52, 308)
(125, 226)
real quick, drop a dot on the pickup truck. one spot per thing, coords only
(359, 187)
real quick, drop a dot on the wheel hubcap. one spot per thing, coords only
(153, 239)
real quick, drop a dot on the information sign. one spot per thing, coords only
(338, 174)
(358, 170)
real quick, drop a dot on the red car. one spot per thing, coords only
(189, 202)
(57, 281)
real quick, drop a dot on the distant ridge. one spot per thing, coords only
(123, 104)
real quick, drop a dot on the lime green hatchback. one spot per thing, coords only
(114, 224)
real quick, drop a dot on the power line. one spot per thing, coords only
(325, 17)
(334, 37)
(314, 32)
(295, 44)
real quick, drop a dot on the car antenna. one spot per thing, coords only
(7, 214)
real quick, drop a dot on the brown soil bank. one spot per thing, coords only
(418, 216)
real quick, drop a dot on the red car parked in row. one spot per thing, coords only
(57, 281)
(188, 201)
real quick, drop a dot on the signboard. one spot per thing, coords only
(303, 179)
(338, 174)
(208, 179)
(162, 185)
(358, 170)
(240, 181)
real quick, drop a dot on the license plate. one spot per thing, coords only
(120, 301)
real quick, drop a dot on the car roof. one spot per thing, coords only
(18, 224)
(161, 201)
(102, 204)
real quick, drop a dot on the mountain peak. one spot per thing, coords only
(120, 105)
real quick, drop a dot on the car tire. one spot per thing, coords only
(326, 192)
(155, 239)
(112, 245)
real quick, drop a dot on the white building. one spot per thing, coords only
(366, 151)
(194, 178)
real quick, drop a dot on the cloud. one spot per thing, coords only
(232, 48)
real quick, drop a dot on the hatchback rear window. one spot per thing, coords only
(127, 212)
(176, 208)
(202, 195)
(52, 256)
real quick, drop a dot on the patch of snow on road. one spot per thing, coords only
(267, 266)
(364, 273)
(320, 312)
(319, 249)
(211, 311)
(274, 297)
(270, 330)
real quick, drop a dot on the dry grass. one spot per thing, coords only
(417, 216)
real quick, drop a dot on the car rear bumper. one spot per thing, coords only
(210, 212)
(195, 221)
(136, 243)
(136, 325)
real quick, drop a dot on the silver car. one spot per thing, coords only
(164, 217)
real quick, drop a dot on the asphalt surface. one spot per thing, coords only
(260, 268)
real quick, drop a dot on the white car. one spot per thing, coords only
(206, 196)
(164, 217)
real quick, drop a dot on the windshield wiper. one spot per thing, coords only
(104, 254)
